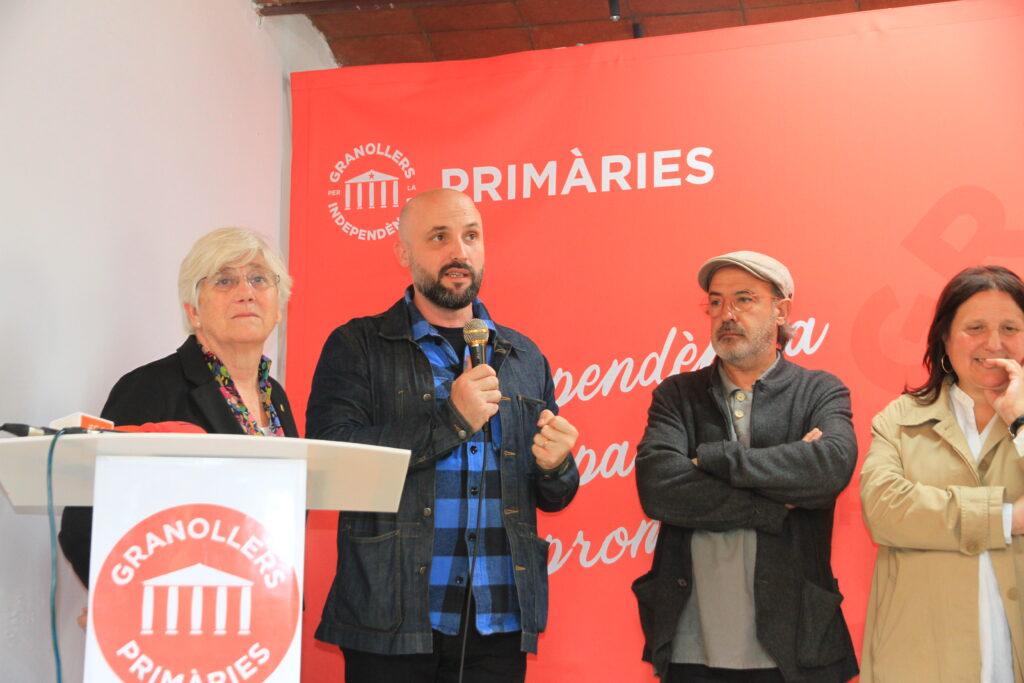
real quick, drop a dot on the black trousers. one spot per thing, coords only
(489, 659)
(698, 673)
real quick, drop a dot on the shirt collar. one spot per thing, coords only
(960, 397)
(729, 386)
(962, 406)
(262, 375)
(421, 328)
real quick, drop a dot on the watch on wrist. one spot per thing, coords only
(1016, 425)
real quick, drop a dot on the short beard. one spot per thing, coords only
(440, 296)
(757, 342)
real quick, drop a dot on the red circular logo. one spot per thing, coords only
(195, 593)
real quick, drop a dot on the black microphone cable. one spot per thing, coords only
(476, 334)
(468, 596)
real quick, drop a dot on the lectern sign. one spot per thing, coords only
(195, 578)
(195, 590)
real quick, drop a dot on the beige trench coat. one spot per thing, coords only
(932, 511)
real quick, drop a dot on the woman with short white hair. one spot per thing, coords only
(232, 288)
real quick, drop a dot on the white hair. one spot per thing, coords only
(216, 249)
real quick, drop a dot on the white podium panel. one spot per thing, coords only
(197, 544)
(196, 570)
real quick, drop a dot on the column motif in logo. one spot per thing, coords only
(384, 184)
(367, 188)
(197, 579)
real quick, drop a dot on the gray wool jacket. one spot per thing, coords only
(797, 599)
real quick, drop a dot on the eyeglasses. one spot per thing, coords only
(716, 306)
(227, 279)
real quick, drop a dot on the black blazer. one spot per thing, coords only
(181, 388)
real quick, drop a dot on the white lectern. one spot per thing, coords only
(198, 542)
(341, 476)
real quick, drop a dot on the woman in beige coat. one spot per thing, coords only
(943, 496)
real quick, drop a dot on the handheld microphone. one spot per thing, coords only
(476, 334)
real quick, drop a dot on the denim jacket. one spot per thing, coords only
(374, 385)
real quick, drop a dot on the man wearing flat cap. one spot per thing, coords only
(741, 462)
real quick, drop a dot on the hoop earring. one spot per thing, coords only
(942, 364)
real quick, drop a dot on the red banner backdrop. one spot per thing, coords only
(876, 154)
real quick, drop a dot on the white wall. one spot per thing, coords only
(127, 130)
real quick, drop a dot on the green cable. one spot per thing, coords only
(53, 554)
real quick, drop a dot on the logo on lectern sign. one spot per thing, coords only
(368, 188)
(195, 594)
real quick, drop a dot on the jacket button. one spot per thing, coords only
(427, 397)
(972, 548)
(682, 582)
(427, 512)
(423, 569)
(1013, 594)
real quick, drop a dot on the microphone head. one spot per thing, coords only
(475, 332)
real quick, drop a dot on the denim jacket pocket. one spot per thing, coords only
(367, 593)
(531, 408)
(536, 569)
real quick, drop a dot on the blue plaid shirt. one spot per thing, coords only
(458, 481)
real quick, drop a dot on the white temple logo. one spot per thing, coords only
(198, 583)
(364, 200)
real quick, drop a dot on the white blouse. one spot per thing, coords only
(996, 646)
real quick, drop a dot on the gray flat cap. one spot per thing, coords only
(760, 266)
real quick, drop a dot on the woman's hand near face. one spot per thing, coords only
(1008, 403)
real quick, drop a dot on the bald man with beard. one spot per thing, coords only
(460, 565)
